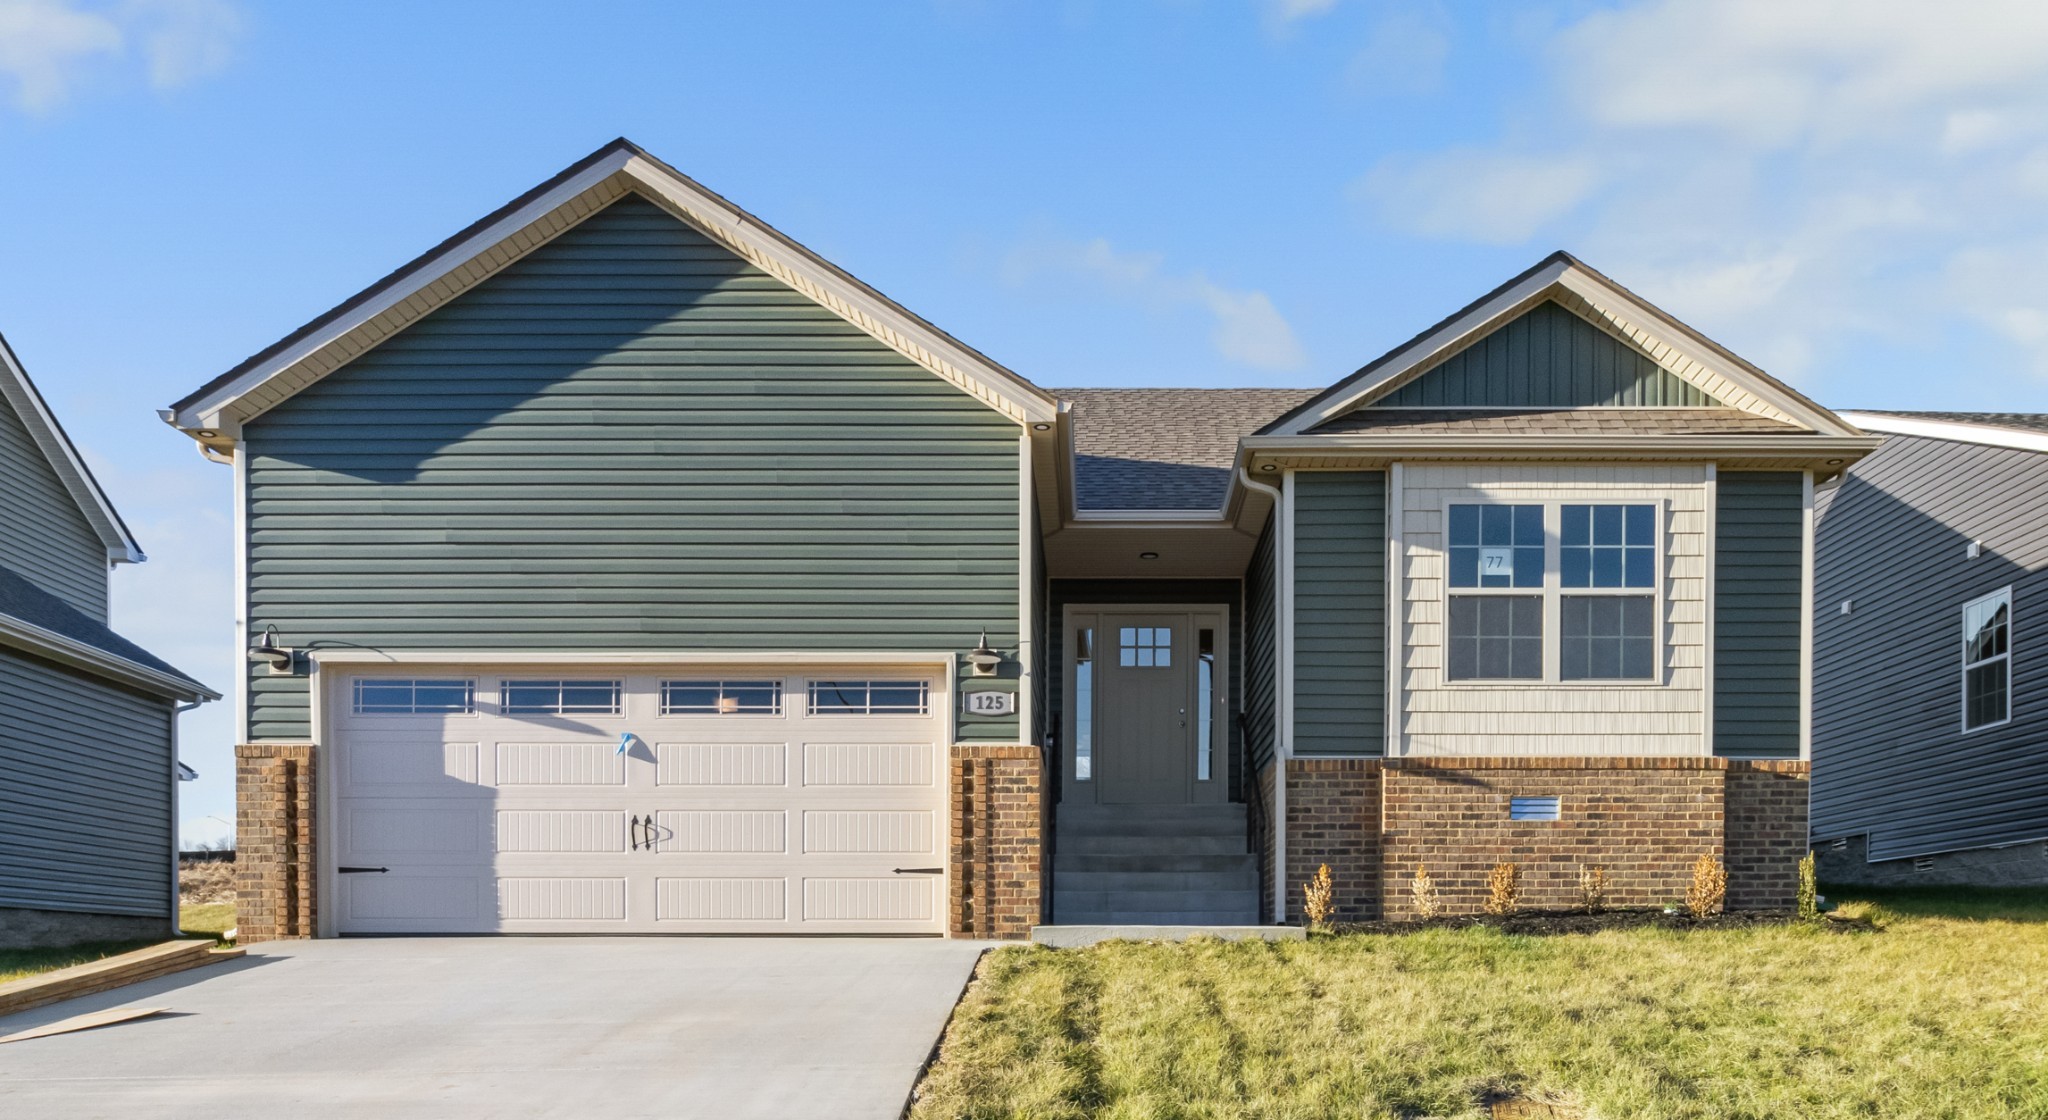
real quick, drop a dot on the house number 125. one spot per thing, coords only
(991, 703)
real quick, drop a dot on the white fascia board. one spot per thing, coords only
(1426, 347)
(69, 651)
(1497, 445)
(1959, 431)
(56, 446)
(717, 219)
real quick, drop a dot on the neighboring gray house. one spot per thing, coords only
(620, 565)
(1930, 745)
(88, 746)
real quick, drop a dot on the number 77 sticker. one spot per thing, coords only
(1496, 561)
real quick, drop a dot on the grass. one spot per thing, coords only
(20, 964)
(215, 918)
(1942, 1011)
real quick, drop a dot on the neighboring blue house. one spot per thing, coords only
(88, 742)
(620, 565)
(1930, 741)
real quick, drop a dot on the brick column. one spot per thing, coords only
(1333, 817)
(998, 810)
(1767, 834)
(274, 866)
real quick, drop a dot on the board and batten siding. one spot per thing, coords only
(1261, 622)
(1890, 758)
(44, 536)
(85, 792)
(630, 440)
(1759, 520)
(1547, 357)
(1665, 718)
(1340, 615)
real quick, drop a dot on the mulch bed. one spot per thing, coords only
(1579, 921)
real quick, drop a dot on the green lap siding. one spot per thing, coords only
(1340, 613)
(1759, 526)
(85, 792)
(630, 440)
(1547, 357)
(1261, 607)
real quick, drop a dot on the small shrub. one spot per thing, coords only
(1422, 889)
(1709, 887)
(1593, 889)
(1809, 891)
(1315, 898)
(1504, 889)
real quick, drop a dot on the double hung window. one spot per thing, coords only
(1987, 660)
(1518, 573)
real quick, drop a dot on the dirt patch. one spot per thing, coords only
(1581, 921)
(205, 882)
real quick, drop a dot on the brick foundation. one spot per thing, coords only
(274, 866)
(1333, 817)
(998, 809)
(1645, 820)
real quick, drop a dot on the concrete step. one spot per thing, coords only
(1151, 820)
(1130, 882)
(1161, 918)
(1066, 902)
(1199, 845)
(1067, 860)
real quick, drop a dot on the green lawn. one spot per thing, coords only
(215, 918)
(19, 964)
(1940, 1012)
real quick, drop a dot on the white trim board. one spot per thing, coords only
(1959, 431)
(607, 175)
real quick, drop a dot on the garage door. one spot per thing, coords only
(521, 801)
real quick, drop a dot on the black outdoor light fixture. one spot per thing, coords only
(982, 660)
(266, 649)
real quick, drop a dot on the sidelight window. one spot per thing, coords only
(1084, 703)
(1205, 704)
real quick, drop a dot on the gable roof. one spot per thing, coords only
(1164, 449)
(2022, 431)
(37, 621)
(1560, 277)
(213, 412)
(20, 393)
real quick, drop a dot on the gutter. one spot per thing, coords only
(70, 651)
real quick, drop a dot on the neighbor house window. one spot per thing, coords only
(1504, 596)
(412, 697)
(1987, 660)
(1084, 703)
(1495, 633)
(1148, 647)
(870, 698)
(559, 698)
(721, 698)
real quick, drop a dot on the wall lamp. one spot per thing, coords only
(266, 650)
(983, 661)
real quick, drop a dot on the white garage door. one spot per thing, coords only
(579, 801)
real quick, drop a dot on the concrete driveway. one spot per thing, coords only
(515, 1026)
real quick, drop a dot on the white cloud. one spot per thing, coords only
(1405, 53)
(1245, 327)
(49, 48)
(1283, 12)
(1795, 178)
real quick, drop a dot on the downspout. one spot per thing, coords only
(177, 711)
(1279, 821)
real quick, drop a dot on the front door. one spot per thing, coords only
(1149, 726)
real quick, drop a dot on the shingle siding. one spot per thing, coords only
(630, 440)
(1759, 541)
(1340, 612)
(1890, 757)
(1548, 357)
(43, 534)
(85, 792)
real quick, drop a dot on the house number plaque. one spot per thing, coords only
(991, 703)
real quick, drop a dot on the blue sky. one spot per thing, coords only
(1141, 192)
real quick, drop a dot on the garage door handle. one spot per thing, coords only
(633, 833)
(361, 870)
(919, 870)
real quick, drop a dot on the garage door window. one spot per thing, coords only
(870, 698)
(415, 697)
(560, 698)
(721, 698)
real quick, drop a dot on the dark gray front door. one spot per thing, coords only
(1146, 745)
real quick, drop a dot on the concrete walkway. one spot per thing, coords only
(508, 1027)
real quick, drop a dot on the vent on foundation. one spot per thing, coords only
(1924, 863)
(1533, 808)
(1840, 845)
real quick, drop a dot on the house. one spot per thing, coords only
(88, 720)
(620, 565)
(1931, 562)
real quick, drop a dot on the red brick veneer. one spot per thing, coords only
(274, 868)
(1767, 833)
(1333, 817)
(998, 811)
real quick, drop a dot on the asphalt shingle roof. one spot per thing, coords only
(1560, 421)
(25, 602)
(2024, 421)
(1164, 449)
